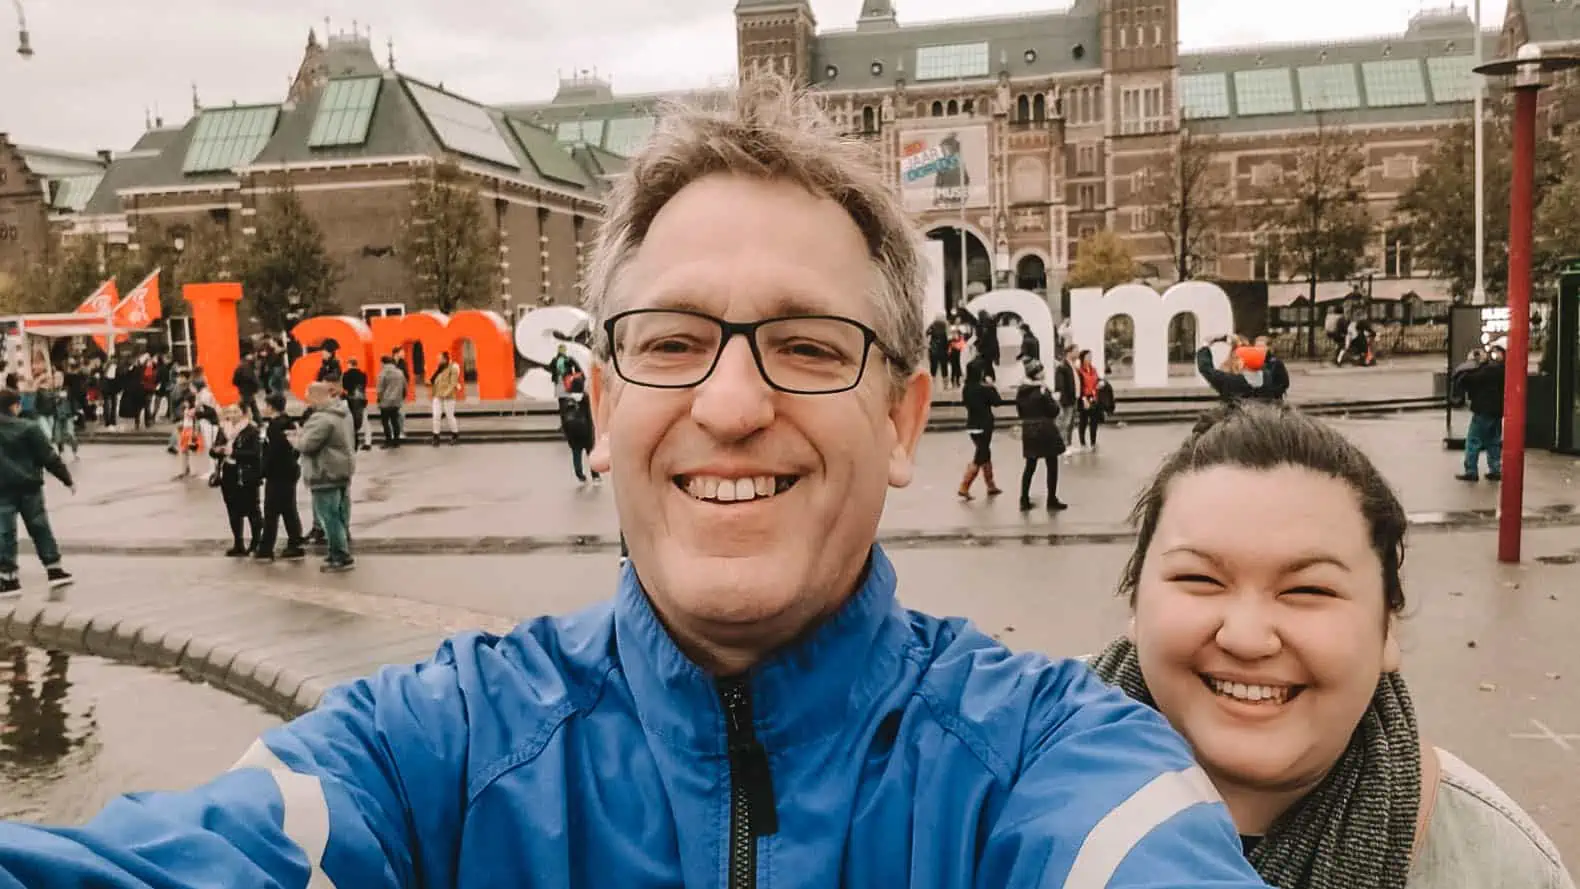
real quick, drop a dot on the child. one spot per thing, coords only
(190, 432)
(65, 430)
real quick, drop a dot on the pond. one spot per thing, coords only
(76, 732)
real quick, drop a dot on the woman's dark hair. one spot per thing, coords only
(1267, 435)
(1084, 355)
(275, 401)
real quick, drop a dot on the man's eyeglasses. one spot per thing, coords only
(796, 354)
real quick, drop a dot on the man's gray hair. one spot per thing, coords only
(767, 129)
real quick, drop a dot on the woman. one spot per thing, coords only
(980, 396)
(1091, 415)
(1270, 645)
(238, 458)
(1040, 440)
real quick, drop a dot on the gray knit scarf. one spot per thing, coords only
(1356, 830)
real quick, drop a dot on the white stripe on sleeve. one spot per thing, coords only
(1129, 823)
(306, 809)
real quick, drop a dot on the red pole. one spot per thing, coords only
(1511, 504)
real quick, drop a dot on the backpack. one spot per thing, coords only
(150, 377)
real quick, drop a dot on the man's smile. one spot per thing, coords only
(721, 489)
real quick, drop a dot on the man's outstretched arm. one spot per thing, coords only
(347, 796)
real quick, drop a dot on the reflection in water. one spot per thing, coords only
(70, 744)
(34, 733)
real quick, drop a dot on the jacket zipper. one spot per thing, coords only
(752, 812)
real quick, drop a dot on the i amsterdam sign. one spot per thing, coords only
(536, 337)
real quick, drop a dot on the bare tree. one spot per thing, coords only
(1317, 213)
(1188, 202)
(450, 250)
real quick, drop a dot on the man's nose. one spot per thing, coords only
(735, 401)
(1248, 631)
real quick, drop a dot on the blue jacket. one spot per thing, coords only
(887, 750)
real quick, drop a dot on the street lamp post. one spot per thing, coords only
(1479, 294)
(24, 45)
(1528, 69)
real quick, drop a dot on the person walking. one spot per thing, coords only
(445, 385)
(328, 462)
(25, 455)
(576, 422)
(281, 475)
(64, 430)
(354, 383)
(391, 389)
(1040, 441)
(238, 460)
(980, 397)
(1483, 388)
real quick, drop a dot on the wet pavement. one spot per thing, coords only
(1489, 648)
(77, 731)
(515, 498)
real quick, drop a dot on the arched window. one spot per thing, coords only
(869, 122)
(938, 109)
(1022, 107)
(1039, 108)
(954, 107)
(968, 107)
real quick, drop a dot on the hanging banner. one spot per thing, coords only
(944, 169)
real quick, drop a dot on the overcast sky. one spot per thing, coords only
(98, 63)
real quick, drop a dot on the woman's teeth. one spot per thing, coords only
(1253, 694)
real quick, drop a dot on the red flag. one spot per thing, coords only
(137, 311)
(102, 300)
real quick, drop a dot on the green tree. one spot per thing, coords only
(1317, 212)
(450, 251)
(1104, 260)
(61, 279)
(1557, 231)
(1440, 206)
(284, 267)
(1188, 201)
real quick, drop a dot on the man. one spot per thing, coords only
(392, 395)
(1483, 389)
(755, 704)
(355, 384)
(445, 385)
(25, 454)
(1275, 376)
(245, 379)
(281, 473)
(327, 446)
(1067, 385)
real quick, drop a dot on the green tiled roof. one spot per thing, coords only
(550, 159)
(1328, 87)
(1452, 78)
(1204, 96)
(1264, 91)
(463, 127)
(345, 112)
(625, 136)
(227, 138)
(73, 192)
(1394, 83)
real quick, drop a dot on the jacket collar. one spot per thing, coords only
(802, 692)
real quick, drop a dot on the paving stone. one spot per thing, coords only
(164, 645)
(369, 641)
(47, 631)
(23, 616)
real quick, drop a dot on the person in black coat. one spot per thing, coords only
(1275, 376)
(980, 396)
(1231, 383)
(1482, 386)
(576, 422)
(1040, 439)
(281, 473)
(238, 458)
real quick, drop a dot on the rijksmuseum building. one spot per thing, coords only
(1051, 120)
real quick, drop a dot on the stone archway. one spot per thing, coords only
(1031, 273)
(978, 264)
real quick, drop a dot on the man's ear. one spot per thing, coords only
(602, 406)
(907, 421)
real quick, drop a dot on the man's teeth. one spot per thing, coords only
(1255, 694)
(732, 490)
